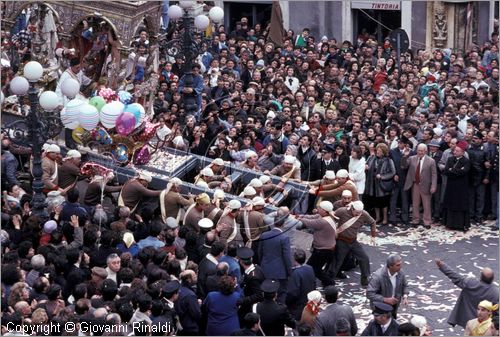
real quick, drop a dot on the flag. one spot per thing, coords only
(277, 31)
(209, 31)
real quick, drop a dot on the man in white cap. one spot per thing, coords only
(204, 176)
(269, 188)
(228, 228)
(95, 188)
(215, 209)
(172, 202)
(250, 162)
(345, 201)
(219, 177)
(135, 191)
(196, 212)
(333, 192)
(252, 218)
(350, 220)
(323, 245)
(328, 179)
(287, 170)
(69, 172)
(248, 193)
(50, 169)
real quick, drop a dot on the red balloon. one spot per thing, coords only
(125, 123)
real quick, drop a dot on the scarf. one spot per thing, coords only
(313, 307)
(481, 328)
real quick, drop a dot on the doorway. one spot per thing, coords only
(256, 13)
(376, 23)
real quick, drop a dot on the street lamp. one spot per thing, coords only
(187, 45)
(37, 126)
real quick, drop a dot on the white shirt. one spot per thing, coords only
(294, 86)
(421, 160)
(393, 282)
(111, 274)
(386, 326)
(80, 77)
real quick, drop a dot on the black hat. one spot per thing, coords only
(171, 287)
(270, 286)
(328, 148)
(244, 253)
(382, 308)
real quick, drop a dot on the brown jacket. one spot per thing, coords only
(428, 173)
(280, 171)
(227, 230)
(68, 174)
(133, 192)
(192, 217)
(324, 234)
(333, 192)
(49, 167)
(352, 232)
(256, 224)
(175, 201)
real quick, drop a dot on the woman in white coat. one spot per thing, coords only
(357, 170)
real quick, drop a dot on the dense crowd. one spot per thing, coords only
(374, 144)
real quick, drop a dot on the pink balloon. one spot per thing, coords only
(125, 123)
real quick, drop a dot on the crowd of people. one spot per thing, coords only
(372, 142)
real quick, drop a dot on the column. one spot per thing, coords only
(406, 14)
(346, 22)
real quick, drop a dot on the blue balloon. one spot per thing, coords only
(134, 108)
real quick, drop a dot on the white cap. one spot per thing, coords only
(219, 194)
(357, 205)
(45, 147)
(342, 174)
(207, 171)
(420, 322)
(234, 204)
(53, 148)
(201, 183)
(289, 159)
(205, 223)
(314, 296)
(258, 201)
(264, 179)
(218, 161)
(249, 190)
(271, 114)
(346, 193)
(172, 223)
(249, 154)
(438, 131)
(175, 181)
(255, 183)
(73, 154)
(326, 205)
(145, 176)
(59, 52)
(330, 175)
(178, 141)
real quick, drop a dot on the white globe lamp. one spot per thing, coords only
(186, 4)
(19, 85)
(201, 22)
(49, 100)
(33, 71)
(174, 12)
(70, 87)
(216, 14)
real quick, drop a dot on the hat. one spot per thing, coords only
(145, 176)
(355, 85)
(357, 205)
(420, 322)
(381, 308)
(328, 148)
(260, 63)
(218, 161)
(253, 83)
(249, 154)
(203, 184)
(462, 144)
(202, 199)
(265, 179)
(431, 78)
(270, 286)
(45, 147)
(73, 154)
(256, 183)
(258, 201)
(207, 171)
(326, 206)
(488, 305)
(435, 143)
(330, 175)
(314, 296)
(342, 174)
(234, 204)
(49, 226)
(128, 239)
(175, 181)
(171, 287)
(53, 148)
(244, 253)
(346, 193)
(289, 159)
(438, 131)
(219, 194)
(249, 190)
(172, 223)
(99, 271)
(205, 223)
(271, 114)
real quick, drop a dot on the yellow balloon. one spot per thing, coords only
(77, 134)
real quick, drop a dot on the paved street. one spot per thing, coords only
(431, 293)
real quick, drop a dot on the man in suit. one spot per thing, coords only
(326, 163)
(208, 266)
(326, 322)
(422, 180)
(187, 305)
(273, 316)
(301, 283)
(389, 285)
(252, 279)
(275, 255)
(383, 324)
(400, 179)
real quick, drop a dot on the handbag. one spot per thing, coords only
(387, 185)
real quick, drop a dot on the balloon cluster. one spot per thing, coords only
(108, 94)
(93, 169)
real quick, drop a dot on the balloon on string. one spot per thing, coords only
(89, 117)
(109, 114)
(77, 135)
(138, 111)
(98, 102)
(125, 97)
(125, 123)
(70, 113)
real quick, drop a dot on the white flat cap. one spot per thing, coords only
(207, 172)
(250, 154)
(73, 154)
(326, 205)
(346, 193)
(342, 174)
(330, 175)
(201, 183)
(53, 148)
(218, 161)
(289, 159)
(255, 183)
(249, 190)
(357, 205)
(234, 204)
(145, 176)
(175, 181)
(205, 223)
(264, 179)
(219, 194)
(271, 114)
(172, 223)
(258, 201)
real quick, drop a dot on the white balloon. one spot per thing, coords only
(33, 71)
(216, 14)
(70, 87)
(174, 12)
(110, 112)
(19, 85)
(49, 100)
(89, 117)
(201, 22)
(70, 114)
